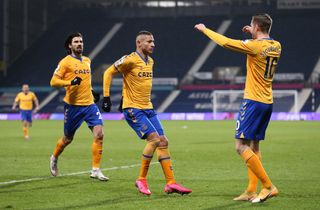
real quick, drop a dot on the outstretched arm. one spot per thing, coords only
(216, 37)
(223, 41)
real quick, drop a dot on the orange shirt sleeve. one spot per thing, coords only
(246, 46)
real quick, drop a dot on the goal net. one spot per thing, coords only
(229, 100)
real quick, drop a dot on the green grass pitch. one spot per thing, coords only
(203, 156)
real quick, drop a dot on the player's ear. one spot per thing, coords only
(257, 27)
(138, 43)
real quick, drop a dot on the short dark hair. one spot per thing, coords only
(69, 41)
(264, 21)
(144, 33)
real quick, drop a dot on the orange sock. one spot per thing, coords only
(145, 163)
(256, 167)
(96, 152)
(59, 148)
(147, 157)
(166, 164)
(25, 131)
(253, 179)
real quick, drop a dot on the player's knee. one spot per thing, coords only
(153, 136)
(239, 148)
(255, 146)
(163, 141)
(154, 143)
(154, 139)
(98, 132)
(241, 145)
(99, 135)
(67, 139)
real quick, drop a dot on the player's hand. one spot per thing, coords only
(247, 29)
(106, 104)
(96, 96)
(76, 81)
(35, 110)
(120, 105)
(200, 27)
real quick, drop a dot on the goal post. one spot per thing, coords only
(230, 100)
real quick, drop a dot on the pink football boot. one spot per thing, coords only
(176, 188)
(142, 186)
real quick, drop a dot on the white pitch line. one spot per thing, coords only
(70, 174)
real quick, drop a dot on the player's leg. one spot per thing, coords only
(152, 141)
(97, 146)
(28, 122)
(73, 118)
(94, 120)
(97, 150)
(253, 162)
(61, 144)
(251, 117)
(139, 122)
(252, 178)
(251, 191)
(25, 129)
(265, 192)
(164, 157)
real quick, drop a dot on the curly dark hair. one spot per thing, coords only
(69, 40)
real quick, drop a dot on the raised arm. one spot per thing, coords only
(223, 41)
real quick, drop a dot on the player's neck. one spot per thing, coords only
(143, 55)
(262, 36)
(76, 55)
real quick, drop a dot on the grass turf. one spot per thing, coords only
(203, 157)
